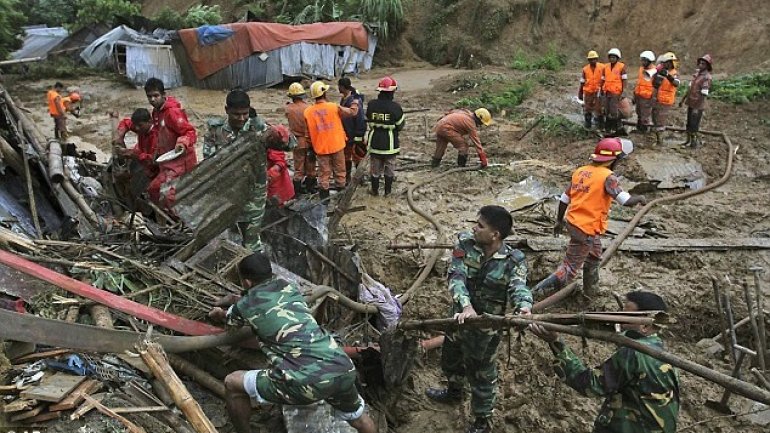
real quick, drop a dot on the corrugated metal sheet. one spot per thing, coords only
(672, 171)
(99, 52)
(248, 73)
(147, 61)
(39, 41)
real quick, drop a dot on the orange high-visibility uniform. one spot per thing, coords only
(592, 78)
(589, 202)
(324, 125)
(667, 91)
(613, 78)
(55, 104)
(644, 87)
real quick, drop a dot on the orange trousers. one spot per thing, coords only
(333, 163)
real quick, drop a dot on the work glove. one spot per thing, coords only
(483, 159)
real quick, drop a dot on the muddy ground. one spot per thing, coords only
(531, 399)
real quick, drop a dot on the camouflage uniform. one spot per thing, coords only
(642, 393)
(221, 135)
(488, 286)
(306, 364)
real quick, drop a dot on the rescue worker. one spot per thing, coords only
(484, 276)
(355, 127)
(590, 91)
(327, 136)
(304, 158)
(71, 103)
(695, 98)
(586, 203)
(130, 171)
(454, 127)
(140, 123)
(643, 92)
(666, 82)
(385, 119)
(641, 392)
(174, 133)
(57, 111)
(223, 132)
(306, 365)
(614, 79)
(279, 186)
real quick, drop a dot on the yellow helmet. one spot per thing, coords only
(592, 55)
(484, 115)
(296, 89)
(318, 89)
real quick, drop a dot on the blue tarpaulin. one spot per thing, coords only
(210, 35)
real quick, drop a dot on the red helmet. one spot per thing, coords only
(387, 84)
(608, 149)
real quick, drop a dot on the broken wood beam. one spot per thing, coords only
(198, 375)
(41, 355)
(155, 358)
(74, 399)
(130, 426)
(53, 388)
(43, 417)
(19, 405)
(87, 406)
(140, 409)
(28, 414)
(55, 164)
(101, 315)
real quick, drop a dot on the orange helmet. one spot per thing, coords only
(74, 96)
(387, 84)
(608, 149)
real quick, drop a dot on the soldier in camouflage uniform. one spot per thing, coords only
(305, 363)
(641, 392)
(484, 276)
(223, 132)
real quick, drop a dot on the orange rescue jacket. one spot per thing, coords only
(614, 77)
(324, 126)
(589, 204)
(644, 87)
(592, 78)
(667, 91)
(55, 104)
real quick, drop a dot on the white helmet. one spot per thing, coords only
(614, 52)
(647, 55)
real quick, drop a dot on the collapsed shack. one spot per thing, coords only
(103, 275)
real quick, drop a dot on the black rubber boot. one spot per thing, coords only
(388, 185)
(375, 185)
(480, 425)
(695, 142)
(444, 395)
(348, 171)
(591, 279)
(587, 122)
(323, 194)
(462, 160)
(602, 123)
(435, 162)
(546, 287)
(687, 141)
(311, 184)
(298, 188)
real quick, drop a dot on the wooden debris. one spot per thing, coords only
(72, 314)
(9, 389)
(201, 377)
(90, 386)
(101, 315)
(53, 388)
(136, 394)
(43, 417)
(87, 406)
(138, 409)
(131, 427)
(28, 414)
(19, 405)
(42, 355)
(155, 358)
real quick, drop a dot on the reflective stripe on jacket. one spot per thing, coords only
(385, 119)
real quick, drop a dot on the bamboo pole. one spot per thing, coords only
(28, 178)
(760, 312)
(155, 358)
(101, 315)
(491, 321)
(131, 427)
(754, 326)
(737, 386)
(203, 378)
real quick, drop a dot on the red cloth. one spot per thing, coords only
(173, 128)
(145, 145)
(252, 38)
(279, 183)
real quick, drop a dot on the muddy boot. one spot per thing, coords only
(323, 193)
(658, 139)
(545, 287)
(311, 184)
(695, 141)
(375, 185)
(480, 425)
(587, 120)
(687, 141)
(591, 279)
(298, 188)
(445, 395)
(462, 160)
(435, 162)
(388, 184)
(348, 170)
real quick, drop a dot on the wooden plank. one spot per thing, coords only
(54, 388)
(73, 400)
(138, 409)
(19, 405)
(43, 417)
(131, 427)
(41, 355)
(9, 390)
(87, 406)
(28, 414)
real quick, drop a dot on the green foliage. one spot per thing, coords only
(60, 67)
(497, 102)
(552, 60)
(11, 20)
(560, 127)
(53, 13)
(742, 89)
(103, 11)
(197, 16)
(384, 16)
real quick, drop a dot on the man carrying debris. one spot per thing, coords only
(355, 127)
(643, 92)
(304, 158)
(586, 203)
(484, 276)
(695, 98)
(614, 79)
(57, 111)
(385, 119)
(306, 365)
(175, 136)
(223, 132)
(327, 136)
(140, 123)
(453, 127)
(641, 392)
(590, 90)
(666, 81)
